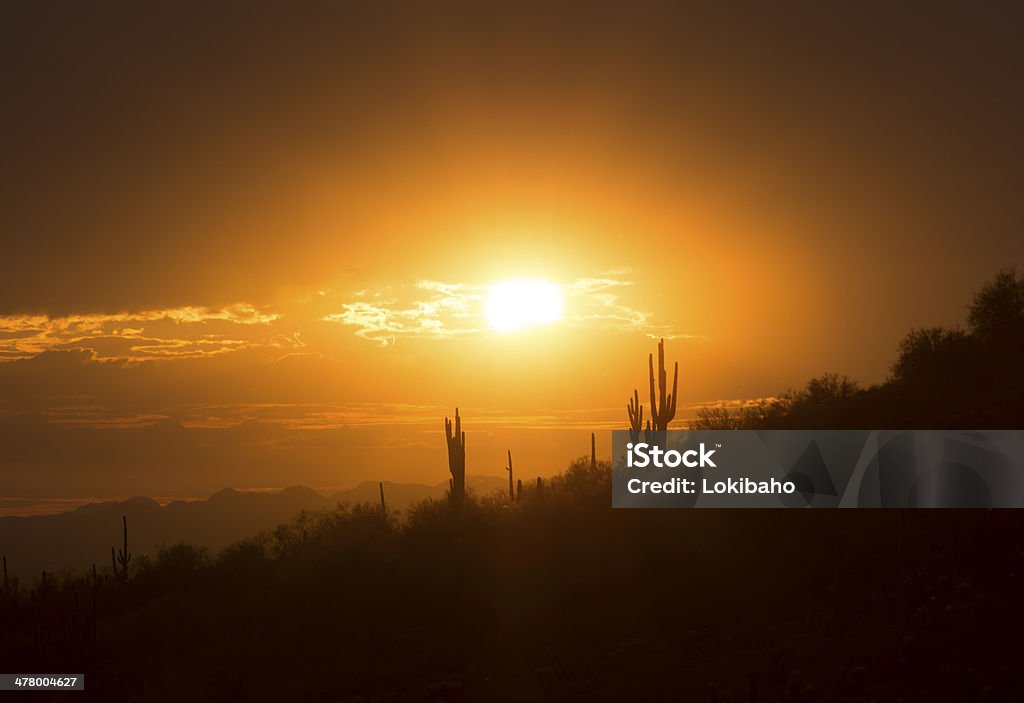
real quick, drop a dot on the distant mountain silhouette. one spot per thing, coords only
(77, 539)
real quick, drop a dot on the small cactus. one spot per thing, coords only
(120, 562)
(519, 490)
(383, 505)
(635, 411)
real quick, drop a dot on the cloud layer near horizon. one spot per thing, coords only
(425, 310)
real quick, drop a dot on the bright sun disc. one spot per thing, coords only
(512, 305)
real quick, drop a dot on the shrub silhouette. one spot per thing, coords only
(717, 418)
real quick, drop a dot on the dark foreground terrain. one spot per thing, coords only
(557, 597)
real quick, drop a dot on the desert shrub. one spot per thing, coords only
(582, 481)
(715, 418)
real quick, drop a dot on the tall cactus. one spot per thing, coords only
(120, 562)
(383, 505)
(663, 406)
(511, 492)
(456, 459)
(636, 417)
(593, 452)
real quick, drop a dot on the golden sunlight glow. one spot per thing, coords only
(512, 305)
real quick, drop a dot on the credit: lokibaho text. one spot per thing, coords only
(643, 455)
(729, 485)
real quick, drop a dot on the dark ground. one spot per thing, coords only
(557, 598)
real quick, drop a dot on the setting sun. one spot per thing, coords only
(512, 305)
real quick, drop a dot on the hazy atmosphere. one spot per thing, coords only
(240, 254)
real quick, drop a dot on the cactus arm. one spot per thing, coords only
(675, 391)
(654, 398)
(662, 379)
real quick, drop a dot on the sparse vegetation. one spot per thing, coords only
(556, 597)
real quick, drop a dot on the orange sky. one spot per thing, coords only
(251, 247)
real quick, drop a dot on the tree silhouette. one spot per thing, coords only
(998, 308)
(827, 389)
(928, 352)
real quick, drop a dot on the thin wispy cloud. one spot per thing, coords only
(333, 416)
(444, 310)
(428, 309)
(182, 332)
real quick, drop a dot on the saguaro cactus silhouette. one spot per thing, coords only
(456, 458)
(636, 417)
(593, 452)
(120, 562)
(511, 492)
(383, 506)
(663, 406)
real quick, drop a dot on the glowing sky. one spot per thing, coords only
(253, 247)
